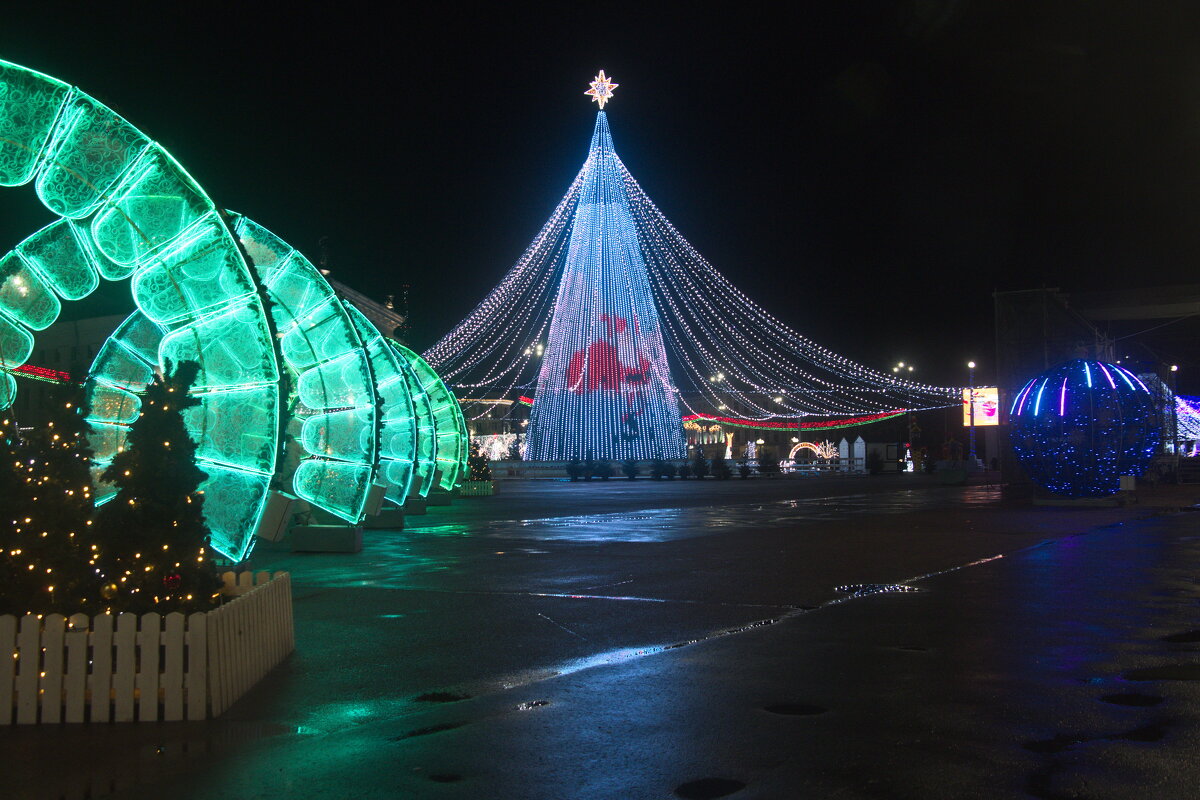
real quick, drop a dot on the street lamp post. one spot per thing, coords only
(971, 408)
(909, 465)
(1174, 419)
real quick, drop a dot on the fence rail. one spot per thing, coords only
(124, 668)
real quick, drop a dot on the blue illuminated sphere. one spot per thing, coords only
(1078, 427)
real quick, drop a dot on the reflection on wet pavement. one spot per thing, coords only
(667, 524)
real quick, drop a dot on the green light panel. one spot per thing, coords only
(129, 209)
(24, 296)
(450, 426)
(398, 423)
(427, 441)
(357, 409)
(333, 389)
(59, 258)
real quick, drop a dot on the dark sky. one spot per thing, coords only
(869, 172)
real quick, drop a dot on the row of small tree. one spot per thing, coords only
(144, 550)
(697, 466)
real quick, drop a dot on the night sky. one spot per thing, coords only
(869, 173)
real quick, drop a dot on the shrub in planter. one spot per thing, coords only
(768, 464)
(744, 469)
(658, 469)
(685, 471)
(630, 468)
(699, 464)
(575, 469)
(720, 469)
(874, 462)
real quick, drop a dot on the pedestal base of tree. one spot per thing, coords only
(390, 519)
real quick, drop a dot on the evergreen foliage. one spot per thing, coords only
(154, 552)
(49, 550)
(478, 468)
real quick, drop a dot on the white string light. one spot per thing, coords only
(726, 354)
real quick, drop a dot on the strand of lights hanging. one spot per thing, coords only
(725, 353)
(44, 374)
(1187, 418)
(769, 425)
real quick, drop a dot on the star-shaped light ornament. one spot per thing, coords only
(602, 89)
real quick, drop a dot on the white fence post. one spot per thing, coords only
(29, 642)
(8, 666)
(124, 676)
(147, 667)
(101, 681)
(172, 674)
(52, 667)
(75, 682)
(198, 692)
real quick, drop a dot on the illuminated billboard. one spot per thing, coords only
(986, 400)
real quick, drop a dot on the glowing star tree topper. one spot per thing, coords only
(602, 89)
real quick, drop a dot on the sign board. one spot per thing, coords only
(987, 406)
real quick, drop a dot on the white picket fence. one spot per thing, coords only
(124, 668)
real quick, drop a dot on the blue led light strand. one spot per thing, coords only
(1037, 404)
(1101, 432)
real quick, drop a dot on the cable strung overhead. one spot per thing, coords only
(576, 294)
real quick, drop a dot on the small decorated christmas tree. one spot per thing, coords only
(154, 553)
(13, 503)
(48, 557)
(59, 507)
(479, 469)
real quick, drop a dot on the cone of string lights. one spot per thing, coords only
(1079, 426)
(154, 553)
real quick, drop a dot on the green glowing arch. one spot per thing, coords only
(298, 391)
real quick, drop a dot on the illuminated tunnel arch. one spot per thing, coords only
(299, 396)
(818, 449)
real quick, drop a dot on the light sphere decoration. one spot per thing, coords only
(1079, 426)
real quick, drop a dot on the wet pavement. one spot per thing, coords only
(801, 637)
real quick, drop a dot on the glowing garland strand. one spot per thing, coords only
(724, 351)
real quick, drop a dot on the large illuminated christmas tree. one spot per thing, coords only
(617, 331)
(604, 389)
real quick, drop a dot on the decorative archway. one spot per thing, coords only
(823, 450)
(297, 390)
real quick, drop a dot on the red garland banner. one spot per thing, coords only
(41, 373)
(829, 424)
